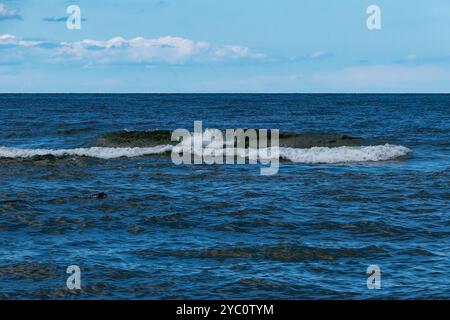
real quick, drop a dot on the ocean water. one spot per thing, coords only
(88, 180)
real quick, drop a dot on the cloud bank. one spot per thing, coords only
(168, 49)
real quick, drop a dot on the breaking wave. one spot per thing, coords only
(325, 155)
(94, 152)
(344, 154)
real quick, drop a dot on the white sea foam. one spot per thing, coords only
(94, 152)
(344, 154)
(310, 155)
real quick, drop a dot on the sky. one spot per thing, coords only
(250, 46)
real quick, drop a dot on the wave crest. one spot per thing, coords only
(94, 152)
(312, 155)
(344, 154)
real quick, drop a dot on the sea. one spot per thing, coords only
(88, 180)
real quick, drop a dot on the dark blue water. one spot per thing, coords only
(142, 227)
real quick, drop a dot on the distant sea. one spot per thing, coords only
(87, 180)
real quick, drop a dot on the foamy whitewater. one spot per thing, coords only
(344, 154)
(310, 155)
(94, 152)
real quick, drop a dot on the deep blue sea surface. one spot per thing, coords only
(142, 227)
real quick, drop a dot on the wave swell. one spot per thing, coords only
(325, 155)
(141, 139)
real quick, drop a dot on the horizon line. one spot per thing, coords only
(234, 93)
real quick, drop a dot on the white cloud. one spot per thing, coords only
(10, 40)
(6, 13)
(235, 51)
(167, 49)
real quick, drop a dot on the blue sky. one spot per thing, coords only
(224, 46)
